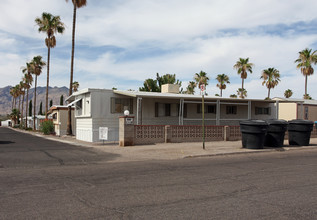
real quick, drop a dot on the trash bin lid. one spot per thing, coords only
(253, 122)
(301, 121)
(276, 122)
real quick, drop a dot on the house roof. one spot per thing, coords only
(58, 107)
(184, 96)
(84, 91)
(292, 100)
(160, 95)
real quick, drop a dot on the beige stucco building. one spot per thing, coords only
(59, 115)
(289, 109)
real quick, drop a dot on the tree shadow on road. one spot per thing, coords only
(7, 142)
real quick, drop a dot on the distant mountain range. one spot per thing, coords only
(54, 93)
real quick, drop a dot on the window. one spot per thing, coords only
(231, 110)
(208, 108)
(54, 116)
(79, 104)
(262, 111)
(119, 105)
(165, 109)
(306, 113)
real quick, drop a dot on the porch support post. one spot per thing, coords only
(181, 112)
(139, 111)
(277, 108)
(301, 111)
(218, 113)
(249, 110)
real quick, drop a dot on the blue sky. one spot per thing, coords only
(121, 43)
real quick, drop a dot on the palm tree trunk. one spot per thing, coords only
(241, 95)
(22, 110)
(220, 92)
(268, 94)
(26, 108)
(305, 87)
(12, 103)
(47, 79)
(19, 109)
(69, 130)
(34, 112)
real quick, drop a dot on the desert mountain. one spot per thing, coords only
(54, 93)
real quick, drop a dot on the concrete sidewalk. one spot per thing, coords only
(170, 151)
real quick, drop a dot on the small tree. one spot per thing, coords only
(41, 109)
(30, 108)
(242, 93)
(288, 93)
(61, 100)
(51, 103)
(233, 96)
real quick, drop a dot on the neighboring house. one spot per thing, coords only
(102, 107)
(59, 115)
(6, 123)
(290, 109)
(38, 120)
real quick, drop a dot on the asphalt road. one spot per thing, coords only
(41, 179)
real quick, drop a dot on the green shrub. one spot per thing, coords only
(47, 127)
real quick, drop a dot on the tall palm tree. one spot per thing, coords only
(77, 4)
(28, 79)
(23, 87)
(50, 25)
(15, 94)
(271, 77)
(222, 79)
(75, 86)
(243, 67)
(12, 94)
(191, 87)
(288, 93)
(201, 78)
(305, 61)
(37, 65)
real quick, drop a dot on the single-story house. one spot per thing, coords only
(38, 120)
(59, 114)
(290, 108)
(6, 123)
(96, 108)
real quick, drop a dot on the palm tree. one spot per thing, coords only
(242, 93)
(12, 94)
(288, 93)
(305, 61)
(23, 87)
(222, 79)
(271, 78)
(50, 25)
(77, 4)
(201, 78)
(243, 67)
(36, 67)
(75, 86)
(28, 79)
(191, 87)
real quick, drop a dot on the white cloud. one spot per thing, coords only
(181, 37)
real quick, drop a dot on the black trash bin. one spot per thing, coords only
(253, 133)
(299, 132)
(275, 133)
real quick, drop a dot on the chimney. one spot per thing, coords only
(170, 88)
